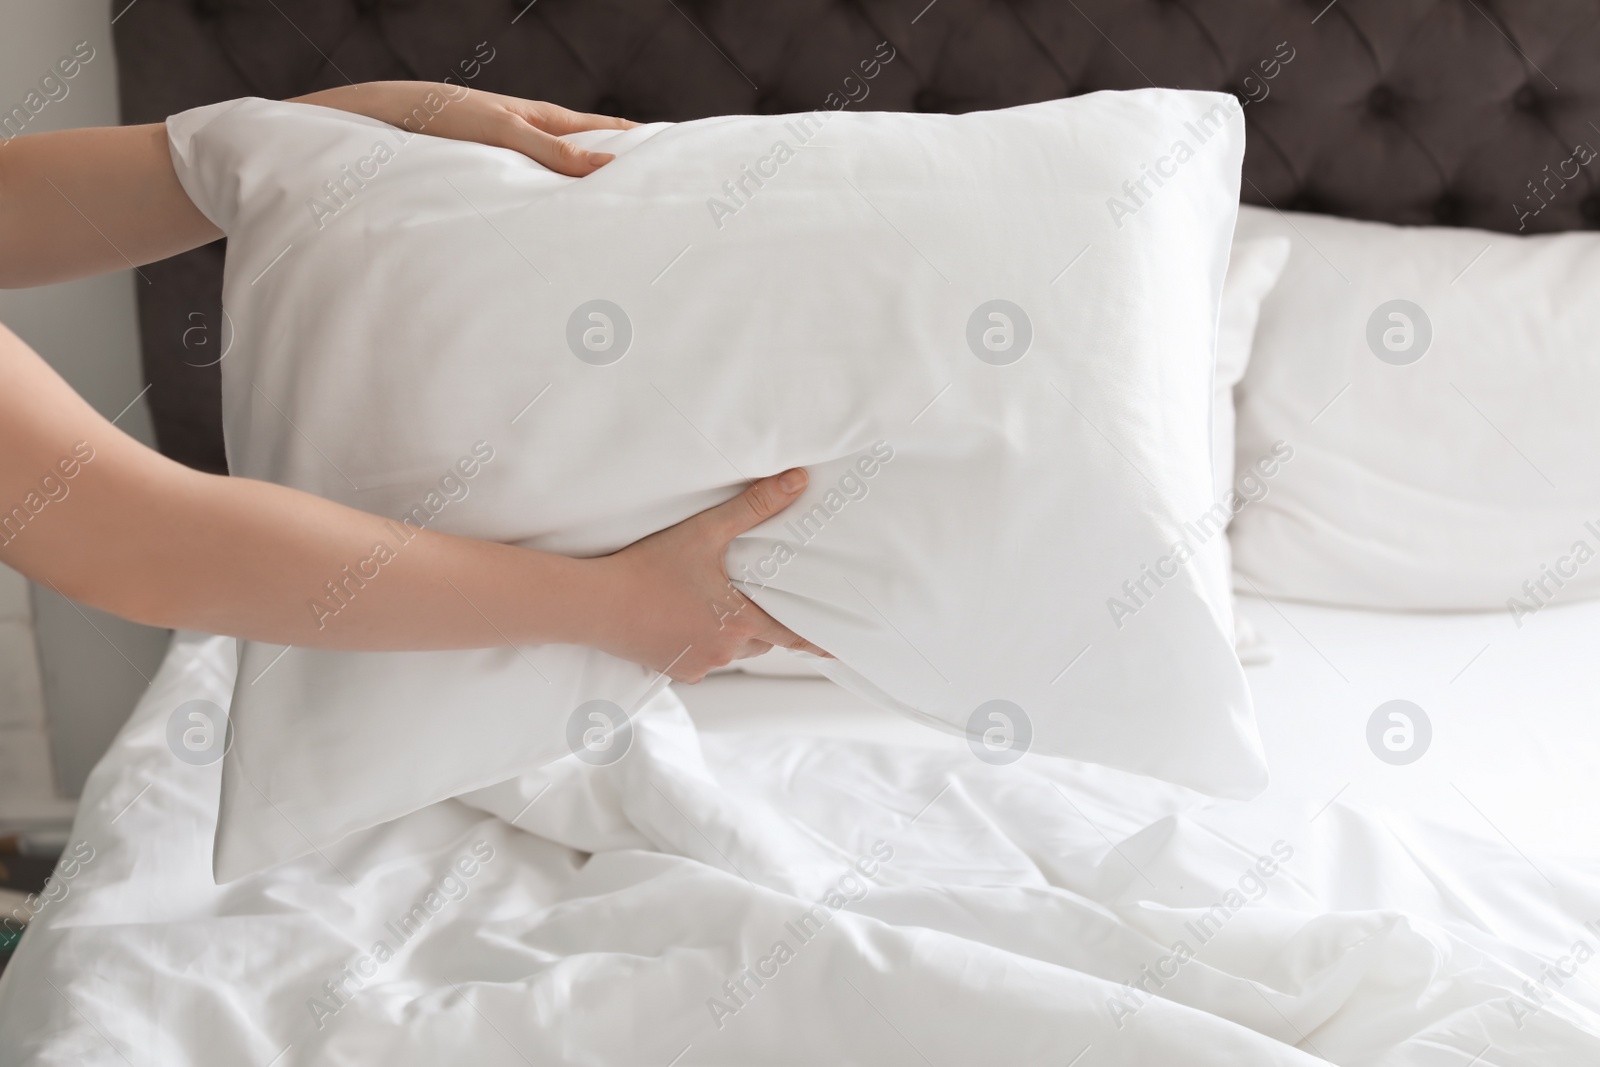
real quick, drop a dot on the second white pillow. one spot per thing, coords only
(1438, 388)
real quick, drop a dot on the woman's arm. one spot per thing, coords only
(89, 511)
(82, 202)
(105, 521)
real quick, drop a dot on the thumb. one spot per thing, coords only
(761, 501)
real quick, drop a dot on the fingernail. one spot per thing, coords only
(600, 159)
(792, 481)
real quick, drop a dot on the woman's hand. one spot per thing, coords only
(83, 202)
(670, 604)
(531, 127)
(110, 523)
(158, 543)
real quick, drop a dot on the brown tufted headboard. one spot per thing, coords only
(1409, 111)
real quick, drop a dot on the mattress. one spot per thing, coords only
(778, 873)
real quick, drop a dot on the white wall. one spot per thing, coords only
(27, 786)
(88, 331)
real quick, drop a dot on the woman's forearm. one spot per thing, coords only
(90, 201)
(234, 555)
(147, 539)
(76, 203)
(89, 511)
(82, 202)
(92, 513)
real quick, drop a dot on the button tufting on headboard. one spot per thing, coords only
(1412, 111)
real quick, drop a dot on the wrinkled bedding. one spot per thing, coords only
(767, 896)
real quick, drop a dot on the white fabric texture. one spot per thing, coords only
(1253, 269)
(1444, 446)
(985, 476)
(1016, 904)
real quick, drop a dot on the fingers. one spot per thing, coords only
(517, 131)
(560, 121)
(765, 632)
(758, 503)
(537, 130)
(775, 633)
(563, 157)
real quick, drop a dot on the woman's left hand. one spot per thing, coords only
(531, 127)
(82, 202)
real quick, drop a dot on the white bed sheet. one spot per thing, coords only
(1515, 715)
(1415, 920)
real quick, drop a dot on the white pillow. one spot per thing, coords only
(1439, 389)
(985, 479)
(1253, 269)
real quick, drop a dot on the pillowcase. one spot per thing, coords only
(1438, 388)
(995, 363)
(1253, 269)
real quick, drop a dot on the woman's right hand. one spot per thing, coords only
(669, 603)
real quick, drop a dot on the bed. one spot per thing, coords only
(1418, 914)
(787, 873)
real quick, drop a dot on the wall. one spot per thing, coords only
(94, 667)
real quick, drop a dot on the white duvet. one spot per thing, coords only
(759, 897)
